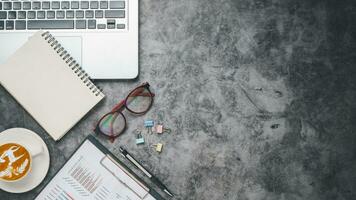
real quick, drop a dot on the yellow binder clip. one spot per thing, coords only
(158, 147)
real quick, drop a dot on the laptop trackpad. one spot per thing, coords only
(73, 45)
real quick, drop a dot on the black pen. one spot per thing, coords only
(145, 171)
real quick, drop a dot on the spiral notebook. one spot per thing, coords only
(49, 84)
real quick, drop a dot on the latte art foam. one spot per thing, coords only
(15, 162)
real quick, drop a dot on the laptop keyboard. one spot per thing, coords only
(33, 15)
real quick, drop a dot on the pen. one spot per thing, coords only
(145, 171)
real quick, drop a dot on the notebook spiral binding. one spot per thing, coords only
(71, 63)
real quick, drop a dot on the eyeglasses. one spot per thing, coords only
(138, 102)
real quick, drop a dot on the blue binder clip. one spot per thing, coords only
(149, 123)
(140, 139)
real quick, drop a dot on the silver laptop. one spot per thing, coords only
(101, 35)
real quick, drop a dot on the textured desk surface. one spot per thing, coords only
(260, 96)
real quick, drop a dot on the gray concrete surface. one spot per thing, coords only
(260, 96)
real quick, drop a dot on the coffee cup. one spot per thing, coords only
(16, 160)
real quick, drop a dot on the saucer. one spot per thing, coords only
(40, 163)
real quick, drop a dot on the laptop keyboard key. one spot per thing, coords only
(3, 14)
(31, 14)
(50, 14)
(89, 14)
(101, 26)
(99, 14)
(60, 14)
(0, 5)
(117, 4)
(94, 5)
(75, 5)
(91, 24)
(84, 4)
(80, 24)
(12, 15)
(114, 14)
(41, 14)
(20, 25)
(21, 15)
(79, 14)
(55, 5)
(65, 5)
(9, 25)
(111, 23)
(2, 25)
(120, 26)
(103, 5)
(36, 5)
(7, 5)
(26, 5)
(46, 5)
(50, 24)
(70, 14)
(17, 5)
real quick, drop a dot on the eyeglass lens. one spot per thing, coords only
(139, 100)
(112, 124)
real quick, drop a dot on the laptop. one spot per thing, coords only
(102, 35)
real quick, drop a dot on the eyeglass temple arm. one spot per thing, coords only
(134, 94)
(118, 106)
(139, 92)
(146, 94)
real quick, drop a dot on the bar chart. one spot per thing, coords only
(84, 176)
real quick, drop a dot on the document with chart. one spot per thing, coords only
(92, 174)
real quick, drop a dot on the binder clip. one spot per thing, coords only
(140, 139)
(159, 128)
(158, 147)
(149, 124)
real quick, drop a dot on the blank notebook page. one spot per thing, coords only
(47, 87)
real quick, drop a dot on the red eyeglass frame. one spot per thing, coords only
(123, 105)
